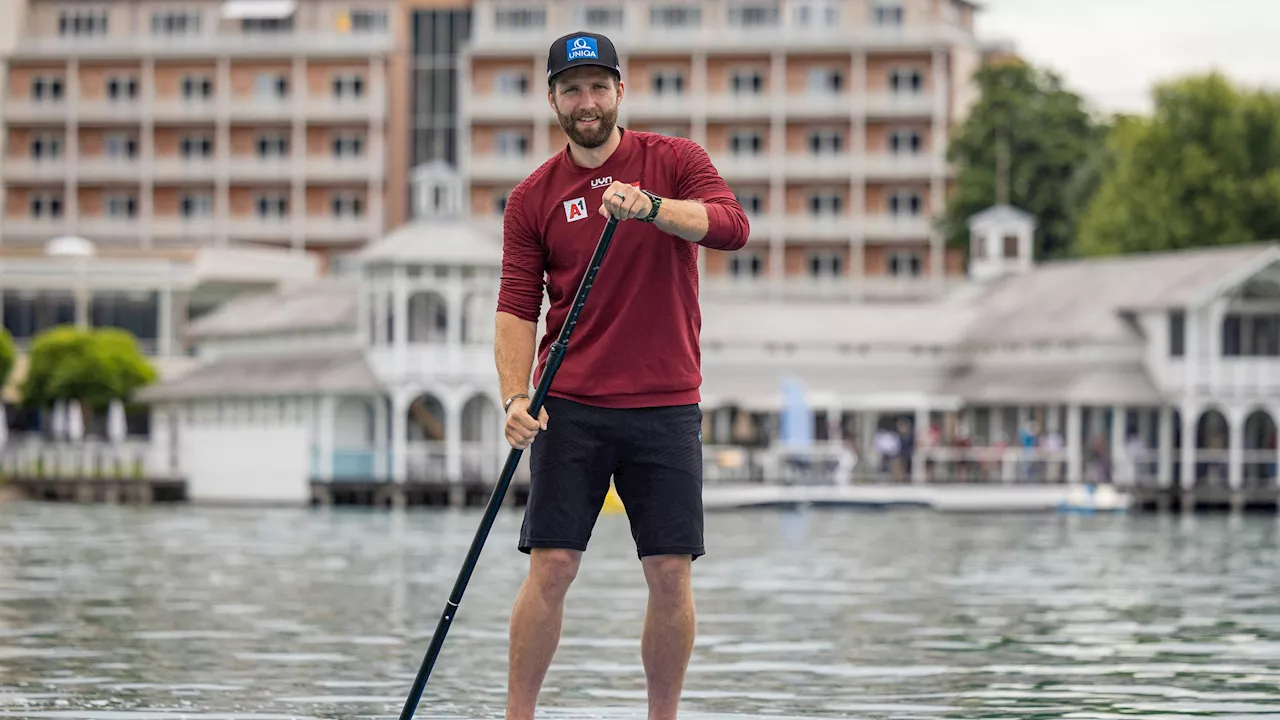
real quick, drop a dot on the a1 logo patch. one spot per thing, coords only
(575, 209)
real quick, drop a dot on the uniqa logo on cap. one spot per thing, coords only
(583, 47)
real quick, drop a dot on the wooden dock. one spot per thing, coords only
(110, 490)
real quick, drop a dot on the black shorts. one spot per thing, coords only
(654, 456)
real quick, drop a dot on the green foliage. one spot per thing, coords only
(7, 355)
(1203, 170)
(1050, 154)
(92, 366)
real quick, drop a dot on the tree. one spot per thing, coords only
(91, 366)
(7, 356)
(1026, 142)
(1204, 169)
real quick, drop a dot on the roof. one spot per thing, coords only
(1060, 383)
(322, 304)
(1083, 300)
(900, 324)
(344, 371)
(1000, 215)
(454, 242)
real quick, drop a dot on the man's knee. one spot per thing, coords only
(553, 569)
(667, 574)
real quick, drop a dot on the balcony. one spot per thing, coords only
(30, 111)
(411, 360)
(29, 228)
(809, 227)
(886, 227)
(32, 170)
(723, 287)
(510, 107)
(260, 228)
(370, 108)
(899, 105)
(739, 168)
(815, 166)
(184, 229)
(212, 45)
(737, 106)
(180, 169)
(103, 228)
(889, 166)
(819, 105)
(332, 169)
(254, 168)
(1232, 376)
(500, 168)
(108, 169)
(109, 111)
(255, 109)
(649, 106)
(343, 230)
(182, 110)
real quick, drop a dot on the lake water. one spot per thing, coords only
(118, 613)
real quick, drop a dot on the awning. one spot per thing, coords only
(258, 9)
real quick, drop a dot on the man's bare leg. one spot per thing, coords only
(535, 626)
(669, 627)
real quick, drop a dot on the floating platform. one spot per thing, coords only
(886, 496)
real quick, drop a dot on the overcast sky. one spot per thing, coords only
(1111, 51)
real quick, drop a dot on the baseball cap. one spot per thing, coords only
(579, 49)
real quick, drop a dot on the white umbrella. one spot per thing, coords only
(4, 425)
(75, 421)
(58, 420)
(116, 427)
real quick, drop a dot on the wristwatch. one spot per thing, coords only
(653, 211)
(506, 406)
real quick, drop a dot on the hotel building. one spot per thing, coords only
(829, 118)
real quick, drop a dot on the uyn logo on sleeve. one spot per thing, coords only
(575, 209)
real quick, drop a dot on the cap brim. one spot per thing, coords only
(585, 63)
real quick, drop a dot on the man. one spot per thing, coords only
(625, 401)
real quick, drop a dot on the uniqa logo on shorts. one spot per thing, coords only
(581, 48)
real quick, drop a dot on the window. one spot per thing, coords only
(512, 143)
(197, 87)
(600, 17)
(905, 202)
(121, 205)
(368, 21)
(195, 146)
(46, 205)
(46, 88)
(747, 82)
(266, 26)
(346, 205)
(82, 22)
(906, 80)
(825, 142)
(746, 142)
(272, 145)
(271, 85)
(753, 14)
(1177, 333)
(175, 23)
(122, 88)
(825, 264)
(511, 83)
(1011, 246)
(668, 82)
(904, 264)
(887, 15)
(347, 85)
(745, 264)
(825, 80)
(675, 15)
(348, 144)
(121, 146)
(272, 206)
(46, 147)
(905, 142)
(752, 203)
(825, 203)
(500, 202)
(196, 205)
(817, 13)
(519, 18)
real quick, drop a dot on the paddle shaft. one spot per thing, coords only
(508, 472)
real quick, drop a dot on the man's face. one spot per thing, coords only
(586, 103)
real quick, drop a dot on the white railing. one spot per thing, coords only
(92, 458)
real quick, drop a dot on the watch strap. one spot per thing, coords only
(653, 211)
(506, 406)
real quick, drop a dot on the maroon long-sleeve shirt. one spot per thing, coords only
(636, 343)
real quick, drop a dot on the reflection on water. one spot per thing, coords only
(134, 613)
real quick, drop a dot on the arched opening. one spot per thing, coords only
(1259, 449)
(477, 319)
(481, 432)
(425, 446)
(354, 437)
(1212, 455)
(428, 318)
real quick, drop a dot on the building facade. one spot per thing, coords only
(151, 126)
(829, 118)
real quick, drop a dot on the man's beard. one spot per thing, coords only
(589, 137)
